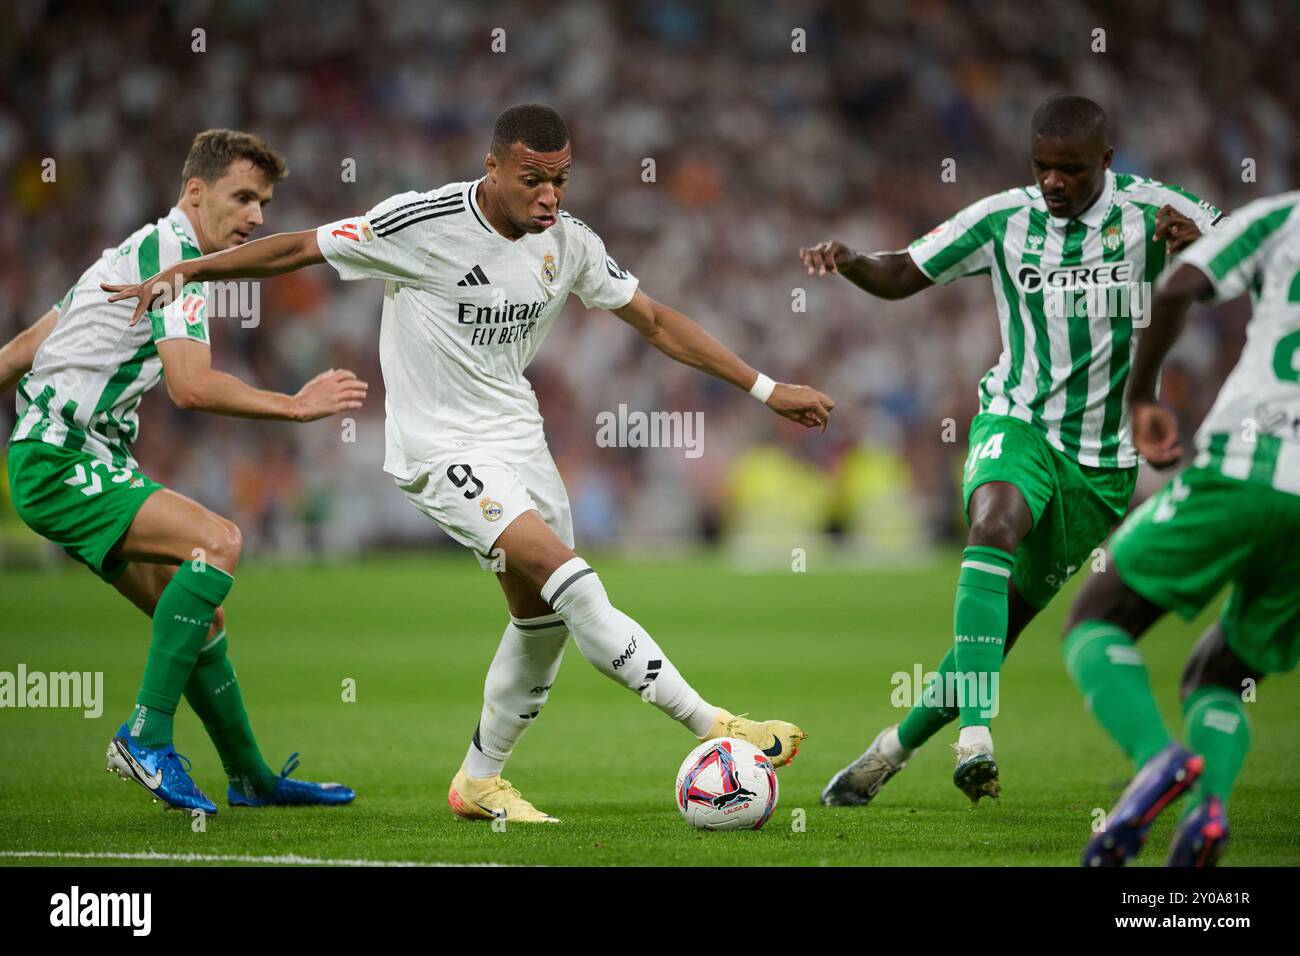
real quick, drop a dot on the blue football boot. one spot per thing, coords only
(1162, 779)
(294, 793)
(160, 770)
(1201, 837)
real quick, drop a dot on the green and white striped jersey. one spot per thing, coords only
(90, 374)
(1253, 430)
(1071, 295)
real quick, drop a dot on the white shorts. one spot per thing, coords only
(474, 496)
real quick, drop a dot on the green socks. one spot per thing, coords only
(980, 628)
(213, 692)
(1105, 665)
(181, 622)
(928, 715)
(1214, 720)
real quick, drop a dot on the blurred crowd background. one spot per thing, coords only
(757, 150)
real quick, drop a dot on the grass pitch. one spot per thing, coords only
(417, 634)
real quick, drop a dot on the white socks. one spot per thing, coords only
(975, 737)
(620, 648)
(892, 747)
(517, 686)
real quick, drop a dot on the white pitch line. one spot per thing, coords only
(290, 859)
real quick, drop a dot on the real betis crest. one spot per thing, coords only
(1111, 238)
(549, 269)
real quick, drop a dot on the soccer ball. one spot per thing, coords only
(726, 784)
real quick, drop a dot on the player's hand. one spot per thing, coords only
(155, 292)
(1155, 434)
(329, 393)
(801, 404)
(828, 256)
(1177, 230)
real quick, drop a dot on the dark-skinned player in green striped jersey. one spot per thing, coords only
(1051, 465)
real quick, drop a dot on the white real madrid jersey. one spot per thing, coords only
(465, 310)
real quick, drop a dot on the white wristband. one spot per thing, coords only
(762, 388)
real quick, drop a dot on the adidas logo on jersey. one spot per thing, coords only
(474, 277)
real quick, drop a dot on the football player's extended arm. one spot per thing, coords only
(684, 341)
(886, 275)
(1155, 431)
(283, 252)
(193, 383)
(18, 353)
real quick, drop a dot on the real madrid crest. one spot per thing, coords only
(550, 271)
(492, 510)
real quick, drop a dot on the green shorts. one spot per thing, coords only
(1074, 507)
(77, 501)
(1203, 531)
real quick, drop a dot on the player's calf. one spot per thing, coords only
(620, 648)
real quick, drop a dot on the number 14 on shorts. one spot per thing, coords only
(990, 447)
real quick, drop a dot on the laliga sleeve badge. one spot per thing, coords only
(492, 510)
(356, 231)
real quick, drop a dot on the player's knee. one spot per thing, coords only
(224, 544)
(994, 529)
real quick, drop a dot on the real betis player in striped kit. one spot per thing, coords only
(1051, 465)
(75, 481)
(1231, 518)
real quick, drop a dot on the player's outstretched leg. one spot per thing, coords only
(624, 651)
(621, 649)
(213, 693)
(171, 527)
(857, 784)
(999, 518)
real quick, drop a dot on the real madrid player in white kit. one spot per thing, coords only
(475, 274)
